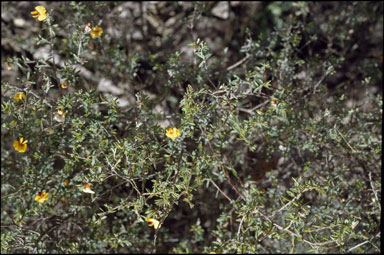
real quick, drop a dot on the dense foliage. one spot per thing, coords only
(191, 127)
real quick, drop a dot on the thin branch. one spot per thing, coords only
(217, 187)
(241, 61)
(233, 186)
(241, 223)
(346, 141)
(360, 244)
(292, 233)
(109, 190)
(178, 166)
(237, 63)
(251, 111)
(29, 90)
(330, 69)
(51, 44)
(373, 189)
(287, 204)
(157, 230)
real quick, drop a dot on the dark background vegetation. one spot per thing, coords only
(137, 53)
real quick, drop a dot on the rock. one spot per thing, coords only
(221, 10)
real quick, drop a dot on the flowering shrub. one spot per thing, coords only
(278, 109)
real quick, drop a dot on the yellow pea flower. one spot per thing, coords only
(19, 96)
(66, 182)
(20, 145)
(153, 222)
(172, 133)
(87, 188)
(96, 32)
(59, 115)
(41, 197)
(40, 13)
(64, 85)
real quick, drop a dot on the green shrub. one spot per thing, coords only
(276, 110)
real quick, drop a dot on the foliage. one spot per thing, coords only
(261, 138)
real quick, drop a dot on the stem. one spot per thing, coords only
(178, 166)
(79, 50)
(217, 187)
(293, 234)
(51, 44)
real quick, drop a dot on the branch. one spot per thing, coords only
(217, 187)
(373, 189)
(293, 234)
(330, 69)
(360, 244)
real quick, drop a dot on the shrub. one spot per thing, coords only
(196, 127)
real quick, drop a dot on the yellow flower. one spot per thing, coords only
(274, 103)
(19, 96)
(41, 197)
(40, 13)
(66, 182)
(59, 115)
(153, 222)
(172, 133)
(87, 188)
(259, 112)
(64, 85)
(20, 145)
(96, 32)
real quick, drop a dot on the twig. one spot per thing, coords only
(292, 233)
(241, 223)
(79, 50)
(346, 141)
(178, 166)
(360, 244)
(51, 43)
(109, 190)
(329, 70)
(24, 109)
(157, 229)
(251, 111)
(282, 208)
(241, 61)
(217, 187)
(29, 90)
(234, 188)
(237, 63)
(373, 189)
